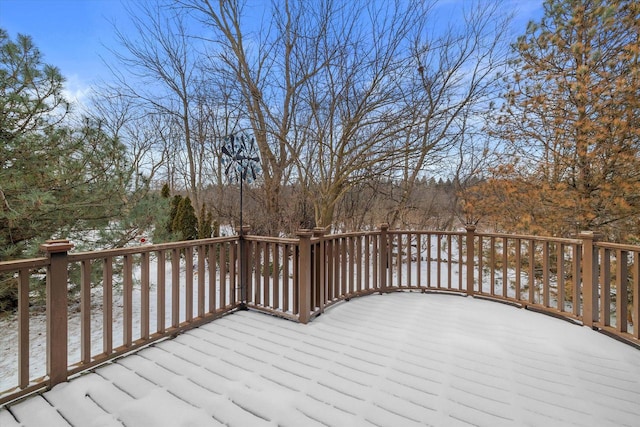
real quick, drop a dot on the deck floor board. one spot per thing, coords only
(382, 360)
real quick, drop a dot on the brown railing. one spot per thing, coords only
(134, 296)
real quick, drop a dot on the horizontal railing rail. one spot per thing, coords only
(103, 304)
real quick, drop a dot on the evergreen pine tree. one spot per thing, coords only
(205, 229)
(185, 224)
(173, 213)
(165, 192)
(571, 124)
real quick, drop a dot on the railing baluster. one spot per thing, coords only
(492, 263)
(518, 261)
(127, 309)
(622, 278)
(161, 293)
(576, 280)
(296, 278)
(419, 261)
(329, 254)
(635, 317)
(85, 311)
(532, 271)
(383, 256)
(408, 259)
(266, 265)
(449, 258)
(344, 290)
(352, 264)
(275, 250)
(367, 262)
(439, 262)
(342, 263)
(257, 272)
(213, 268)
(224, 250)
(480, 265)
(605, 284)
(560, 297)
(188, 288)
(144, 295)
(460, 263)
(175, 288)
(359, 249)
(107, 305)
(23, 327)
(505, 267)
(286, 253)
(545, 274)
(202, 251)
(233, 275)
(222, 296)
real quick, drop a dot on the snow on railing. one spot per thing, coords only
(103, 304)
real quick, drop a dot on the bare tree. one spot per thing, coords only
(338, 95)
(356, 121)
(457, 72)
(269, 64)
(136, 129)
(158, 70)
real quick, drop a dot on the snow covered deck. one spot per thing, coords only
(398, 359)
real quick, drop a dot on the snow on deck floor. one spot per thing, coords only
(384, 360)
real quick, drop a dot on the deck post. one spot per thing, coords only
(471, 230)
(57, 328)
(383, 256)
(590, 273)
(243, 265)
(304, 275)
(319, 268)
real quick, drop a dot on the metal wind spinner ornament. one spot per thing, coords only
(242, 161)
(242, 158)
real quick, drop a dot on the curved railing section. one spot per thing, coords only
(103, 304)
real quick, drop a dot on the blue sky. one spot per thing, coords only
(72, 34)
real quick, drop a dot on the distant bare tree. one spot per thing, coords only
(354, 120)
(136, 129)
(157, 69)
(457, 72)
(269, 65)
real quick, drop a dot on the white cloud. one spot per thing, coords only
(77, 92)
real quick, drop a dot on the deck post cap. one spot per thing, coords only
(56, 246)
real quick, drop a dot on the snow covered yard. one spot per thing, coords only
(399, 359)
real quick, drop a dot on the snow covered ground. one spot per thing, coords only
(400, 359)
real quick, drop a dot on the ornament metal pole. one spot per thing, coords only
(243, 161)
(241, 180)
(243, 260)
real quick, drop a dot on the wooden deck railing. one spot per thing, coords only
(131, 297)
